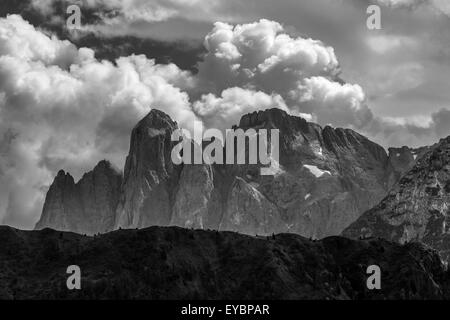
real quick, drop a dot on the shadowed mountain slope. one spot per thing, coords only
(417, 208)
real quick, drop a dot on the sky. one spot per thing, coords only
(69, 99)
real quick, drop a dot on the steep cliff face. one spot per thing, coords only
(328, 176)
(87, 206)
(417, 208)
(62, 209)
(248, 211)
(149, 175)
(326, 179)
(192, 200)
(401, 160)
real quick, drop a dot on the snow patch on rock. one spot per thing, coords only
(316, 171)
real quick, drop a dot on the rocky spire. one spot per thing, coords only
(87, 206)
(149, 175)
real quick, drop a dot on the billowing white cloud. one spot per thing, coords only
(262, 55)
(62, 108)
(333, 103)
(22, 41)
(219, 112)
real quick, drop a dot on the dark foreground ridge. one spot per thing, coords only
(176, 263)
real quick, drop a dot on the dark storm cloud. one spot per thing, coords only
(184, 53)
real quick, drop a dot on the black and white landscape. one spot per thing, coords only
(358, 91)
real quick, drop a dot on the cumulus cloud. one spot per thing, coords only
(62, 108)
(219, 112)
(333, 103)
(23, 42)
(262, 55)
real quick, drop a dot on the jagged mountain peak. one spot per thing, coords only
(63, 175)
(156, 119)
(278, 119)
(107, 167)
(87, 206)
(347, 138)
(291, 126)
(274, 116)
(149, 173)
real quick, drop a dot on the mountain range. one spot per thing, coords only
(327, 178)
